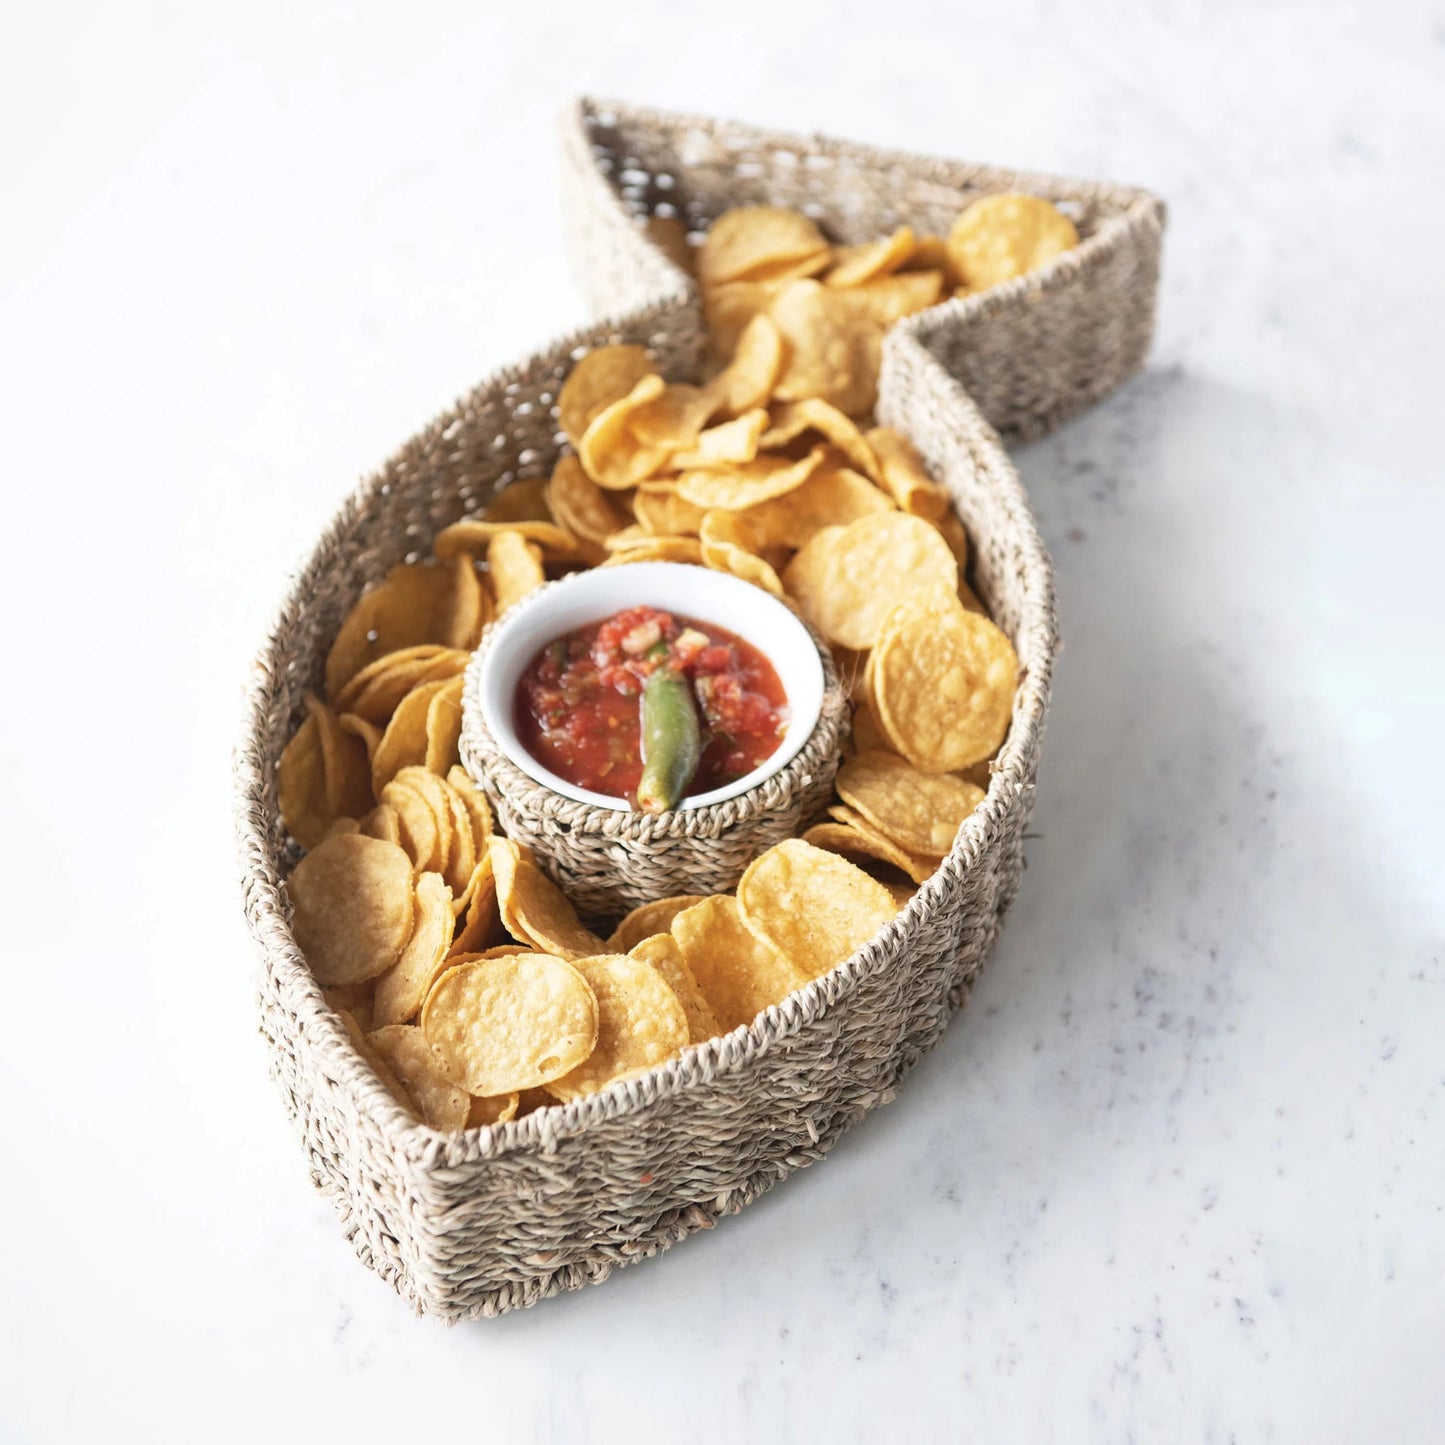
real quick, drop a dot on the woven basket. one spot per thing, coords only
(608, 861)
(485, 1221)
(1030, 353)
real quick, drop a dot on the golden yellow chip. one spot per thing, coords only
(665, 514)
(600, 378)
(368, 734)
(582, 507)
(647, 919)
(751, 239)
(353, 999)
(847, 578)
(812, 906)
(404, 743)
(501, 1109)
(444, 727)
(640, 1022)
(834, 335)
(748, 483)
(414, 603)
(1000, 237)
(471, 607)
(472, 536)
(323, 776)
(659, 549)
(461, 860)
(438, 1102)
(866, 851)
(739, 974)
(831, 496)
(674, 419)
(534, 910)
(919, 867)
(481, 924)
(356, 1032)
(790, 419)
(401, 990)
(351, 898)
(417, 832)
(515, 567)
(523, 501)
(727, 547)
(921, 812)
(902, 475)
(610, 451)
(833, 348)
(943, 683)
(729, 311)
(478, 808)
(510, 1023)
(374, 693)
(724, 445)
(853, 265)
(662, 952)
(756, 363)
(868, 733)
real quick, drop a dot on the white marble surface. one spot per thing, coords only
(1178, 1172)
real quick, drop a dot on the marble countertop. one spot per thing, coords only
(1177, 1172)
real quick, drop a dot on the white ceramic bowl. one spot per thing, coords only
(697, 592)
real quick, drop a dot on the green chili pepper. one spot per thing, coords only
(671, 740)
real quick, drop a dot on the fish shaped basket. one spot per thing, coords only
(487, 1220)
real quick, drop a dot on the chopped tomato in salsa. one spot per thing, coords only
(577, 707)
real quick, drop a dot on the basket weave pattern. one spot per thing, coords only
(482, 1222)
(1030, 353)
(608, 861)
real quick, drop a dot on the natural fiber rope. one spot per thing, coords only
(488, 1220)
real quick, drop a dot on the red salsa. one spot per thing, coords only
(578, 703)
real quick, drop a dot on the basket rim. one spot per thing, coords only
(425, 1148)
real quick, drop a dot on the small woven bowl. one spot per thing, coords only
(608, 860)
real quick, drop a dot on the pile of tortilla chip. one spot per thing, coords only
(463, 973)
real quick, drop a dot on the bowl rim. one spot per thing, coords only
(799, 668)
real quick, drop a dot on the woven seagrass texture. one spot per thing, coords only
(480, 1222)
(1029, 353)
(608, 861)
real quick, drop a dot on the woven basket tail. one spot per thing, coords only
(1030, 353)
(485, 1221)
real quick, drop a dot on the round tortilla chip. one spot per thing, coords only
(640, 1022)
(942, 683)
(413, 604)
(847, 579)
(815, 907)
(747, 483)
(505, 1024)
(595, 382)
(438, 1102)
(999, 237)
(647, 919)
(921, 812)
(738, 973)
(352, 907)
(749, 240)
(534, 910)
(662, 952)
(402, 989)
